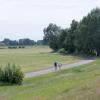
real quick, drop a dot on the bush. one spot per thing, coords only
(11, 74)
(12, 47)
(63, 51)
(21, 46)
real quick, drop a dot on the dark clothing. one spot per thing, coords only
(55, 65)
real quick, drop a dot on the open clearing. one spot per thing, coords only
(34, 59)
(80, 83)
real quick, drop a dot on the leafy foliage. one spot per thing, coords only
(62, 51)
(51, 34)
(11, 74)
(83, 36)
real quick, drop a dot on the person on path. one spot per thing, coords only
(55, 66)
(59, 65)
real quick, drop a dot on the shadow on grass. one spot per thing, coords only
(66, 90)
(78, 70)
(5, 84)
(9, 84)
(79, 55)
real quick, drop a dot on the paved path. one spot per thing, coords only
(50, 70)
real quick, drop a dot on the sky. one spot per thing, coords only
(28, 18)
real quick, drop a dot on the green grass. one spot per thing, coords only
(81, 83)
(33, 59)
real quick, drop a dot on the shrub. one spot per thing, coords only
(21, 46)
(12, 47)
(63, 51)
(11, 74)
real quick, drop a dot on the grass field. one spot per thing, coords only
(81, 83)
(33, 59)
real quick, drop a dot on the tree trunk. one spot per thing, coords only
(98, 52)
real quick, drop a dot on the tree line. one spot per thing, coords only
(21, 42)
(82, 36)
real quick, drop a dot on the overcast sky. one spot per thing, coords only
(27, 18)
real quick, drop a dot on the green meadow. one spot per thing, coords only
(80, 83)
(34, 58)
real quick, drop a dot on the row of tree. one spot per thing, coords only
(82, 36)
(21, 42)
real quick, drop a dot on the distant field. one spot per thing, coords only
(81, 83)
(33, 59)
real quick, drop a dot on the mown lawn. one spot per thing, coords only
(81, 83)
(33, 59)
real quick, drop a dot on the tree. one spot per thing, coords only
(40, 42)
(26, 42)
(70, 37)
(83, 36)
(89, 32)
(62, 37)
(10, 42)
(51, 34)
(6, 41)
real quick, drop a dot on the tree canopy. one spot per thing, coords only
(51, 35)
(82, 36)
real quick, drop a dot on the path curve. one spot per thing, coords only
(51, 70)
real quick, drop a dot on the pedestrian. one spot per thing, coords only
(55, 66)
(59, 65)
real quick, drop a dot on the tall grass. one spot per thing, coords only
(11, 74)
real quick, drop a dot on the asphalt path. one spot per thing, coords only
(51, 70)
